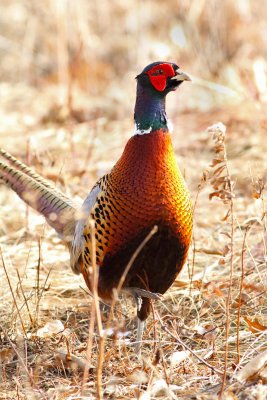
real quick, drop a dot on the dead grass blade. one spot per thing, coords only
(13, 295)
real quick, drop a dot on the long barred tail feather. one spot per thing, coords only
(58, 209)
(20, 166)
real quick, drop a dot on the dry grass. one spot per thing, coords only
(66, 103)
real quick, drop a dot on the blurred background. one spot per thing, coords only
(94, 49)
(99, 46)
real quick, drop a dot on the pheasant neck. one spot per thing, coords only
(149, 112)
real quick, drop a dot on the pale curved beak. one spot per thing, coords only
(181, 76)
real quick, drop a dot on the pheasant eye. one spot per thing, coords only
(158, 76)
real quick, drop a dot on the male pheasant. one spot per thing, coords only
(145, 188)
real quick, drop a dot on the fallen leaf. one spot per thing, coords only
(180, 284)
(159, 388)
(252, 371)
(252, 287)
(6, 355)
(70, 361)
(240, 301)
(259, 250)
(51, 328)
(138, 377)
(208, 332)
(178, 356)
(263, 375)
(255, 326)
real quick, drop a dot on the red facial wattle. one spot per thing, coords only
(158, 76)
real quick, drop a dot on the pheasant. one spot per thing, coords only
(145, 188)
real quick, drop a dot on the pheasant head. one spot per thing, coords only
(153, 84)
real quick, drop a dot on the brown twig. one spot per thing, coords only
(220, 179)
(95, 313)
(24, 297)
(28, 158)
(38, 281)
(229, 294)
(22, 362)
(177, 338)
(12, 293)
(134, 256)
(240, 295)
(160, 350)
(191, 273)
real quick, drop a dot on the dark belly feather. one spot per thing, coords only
(154, 269)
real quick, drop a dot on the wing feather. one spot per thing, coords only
(78, 239)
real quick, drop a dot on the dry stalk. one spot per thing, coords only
(37, 292)
(89, 346)
(95, 316)
(135, 254)
(25, 299)
(20, 358)
(13, 295)
(191, 272)
(156, 339)
(258, 193)
(91, 145)
(184, 345)
(98, 314)
(28, 158)
(61, 10)
(94, 278)
(240, 295)
(220, 179)
(158, 353)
